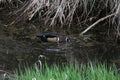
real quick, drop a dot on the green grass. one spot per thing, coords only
(71, 72)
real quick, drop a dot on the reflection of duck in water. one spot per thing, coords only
(53, 38)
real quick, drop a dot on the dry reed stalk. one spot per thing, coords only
(60, 11)
(116, 14)
(30, 8)
(98, 21)
(5, 1)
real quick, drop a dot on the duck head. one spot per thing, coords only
(62, 39)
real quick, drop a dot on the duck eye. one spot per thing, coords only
(67, 40)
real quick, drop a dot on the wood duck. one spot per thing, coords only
(53, 38)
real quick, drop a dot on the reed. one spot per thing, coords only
(64, 11)
(59, 13)
(71, 72)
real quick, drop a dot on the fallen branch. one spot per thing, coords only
(97, 23)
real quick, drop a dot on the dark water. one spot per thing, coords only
(14, 53)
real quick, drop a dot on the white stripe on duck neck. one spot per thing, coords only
(58, 39)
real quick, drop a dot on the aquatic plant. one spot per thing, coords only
(70, 72)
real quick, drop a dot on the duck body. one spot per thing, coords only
(53, 38)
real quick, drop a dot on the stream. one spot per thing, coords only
(14, 53)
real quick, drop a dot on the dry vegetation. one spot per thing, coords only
(66, 12)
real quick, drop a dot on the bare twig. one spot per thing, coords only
(97, 22)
